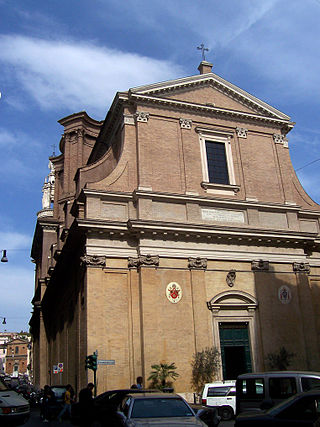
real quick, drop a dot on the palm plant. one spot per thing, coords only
(161, 373)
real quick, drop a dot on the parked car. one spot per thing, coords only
(263, 390)
(302, 409)
(220, 395)
(106, 409)
(104, 405)
(159, 409)
(14, 409)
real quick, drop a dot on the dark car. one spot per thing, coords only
(302, 409)
(103, 405)
(105, 409)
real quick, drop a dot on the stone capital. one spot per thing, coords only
(301, 267)
(241, 132)
(142, 116)
(197, 263)
(93, 260)
(260, 265)
(142, 260)
(185, 123)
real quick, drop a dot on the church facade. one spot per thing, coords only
(174, 225)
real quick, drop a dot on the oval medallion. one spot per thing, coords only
(174, 292)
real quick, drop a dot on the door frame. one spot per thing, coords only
(236, 306)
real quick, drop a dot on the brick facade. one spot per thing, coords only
(134, 212)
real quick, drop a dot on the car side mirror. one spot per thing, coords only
(208, 416)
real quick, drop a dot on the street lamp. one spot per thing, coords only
(4, 256)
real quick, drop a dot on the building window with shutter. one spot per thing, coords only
(217, 163)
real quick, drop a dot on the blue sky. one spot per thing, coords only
(60, 57)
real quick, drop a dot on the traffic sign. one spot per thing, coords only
(106, 362)
(60, 367)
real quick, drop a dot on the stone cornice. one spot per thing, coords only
(189, 198)
(205, 200)
(263, 236)
(188, 106)
(215, 81)
(168, 230)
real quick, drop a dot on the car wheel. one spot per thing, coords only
(226, 413)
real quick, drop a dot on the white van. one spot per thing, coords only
(221, 395)
(14, 409)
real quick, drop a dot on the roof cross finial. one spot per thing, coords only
(203, 49)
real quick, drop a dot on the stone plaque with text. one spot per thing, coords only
(222, 215)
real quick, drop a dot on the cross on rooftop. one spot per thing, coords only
(203, 49)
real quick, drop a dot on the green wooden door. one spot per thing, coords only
(235, 349)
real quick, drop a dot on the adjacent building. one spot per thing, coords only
(15, 354)
(175, 224)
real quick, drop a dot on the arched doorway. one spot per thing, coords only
(235, 332)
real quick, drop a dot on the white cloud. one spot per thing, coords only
(77, 75)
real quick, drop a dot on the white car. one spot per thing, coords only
(14, 409)
(220, 395)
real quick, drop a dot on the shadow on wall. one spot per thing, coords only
(287, 314)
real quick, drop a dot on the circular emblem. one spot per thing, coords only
(174, 292)
(284, 294)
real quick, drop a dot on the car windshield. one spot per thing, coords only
(58, 391)
(3, 387)
(160, 408)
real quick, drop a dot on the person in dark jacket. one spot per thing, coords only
(48, 401)
(85, 404)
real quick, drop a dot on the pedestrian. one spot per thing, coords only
(48, 401)
(139, 383)
(86, 404)
(67, 398)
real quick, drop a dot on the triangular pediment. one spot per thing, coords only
(211, 91)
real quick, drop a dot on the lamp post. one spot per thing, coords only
(4, 256)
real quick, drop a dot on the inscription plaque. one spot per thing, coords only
(222, 215)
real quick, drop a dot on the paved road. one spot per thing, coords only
(226, 423)
(35, 421)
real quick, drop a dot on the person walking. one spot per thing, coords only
(48, 400)
(85, 404)
(67, 398)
